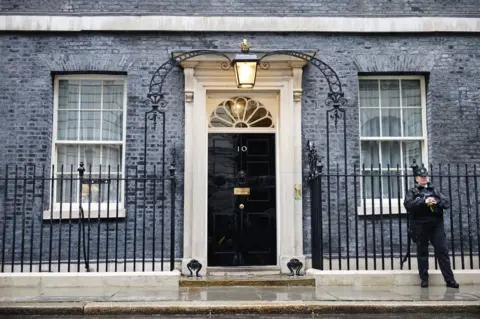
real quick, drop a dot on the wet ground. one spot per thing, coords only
(347, 293)
(190, 298)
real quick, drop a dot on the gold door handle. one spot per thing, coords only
(241, 206)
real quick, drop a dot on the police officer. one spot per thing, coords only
(426, 204)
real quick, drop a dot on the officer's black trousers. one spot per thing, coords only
(432, 231)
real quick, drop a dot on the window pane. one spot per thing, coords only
(109, 194)
(112, 126)
(67, 125)
(90, 193)
(368, 93)
(411, 93)
(67, 190)
(391, 192)
(390, 92)
(412, 122)
(91, 155)
(68, 94)
(90, 125)
(391, 154)
(102, 193)
(370, 122)
(412, 150)
(370, 154)
(67, 155)
(113, 95)
(371, 183)
(391, 124)
(91, 94)
(112, 155)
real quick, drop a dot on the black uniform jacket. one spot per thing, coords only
(415, 203)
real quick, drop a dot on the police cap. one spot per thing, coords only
(421, 172)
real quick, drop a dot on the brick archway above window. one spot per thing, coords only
(394, 63)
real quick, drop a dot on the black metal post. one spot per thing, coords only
(154, 213)
(380, 192)
(172, 170)
(34, 180)
(462, 254)
(116, 216)
(476, 209)
(52, 188)
(469, 219)
(108, 218)
(86, 255)
(70, 219)
(317, 242)
(399, 205)
(365, 225)
(339, 235)
(4, 234)
(135, 222)
(452, 236)
(374, 241)
(41, 220)
(125, 238)
(314, 178)
(390, 217)
(356, 214)
(98, 215)
(60, 221)
(24, 200)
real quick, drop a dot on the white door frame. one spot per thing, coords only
(285, 79)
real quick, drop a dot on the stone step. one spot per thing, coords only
(255, 280)
(243, 271)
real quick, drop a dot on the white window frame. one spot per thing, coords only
(93, 211)
(376, 206)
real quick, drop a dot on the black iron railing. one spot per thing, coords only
(110, 220)
(359, 221)
(78, 220)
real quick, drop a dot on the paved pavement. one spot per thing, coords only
(244, 300)
(346, 293)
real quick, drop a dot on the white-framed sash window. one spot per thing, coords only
(89, 124)
(393, 132)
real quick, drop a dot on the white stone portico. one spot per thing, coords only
(279, 89)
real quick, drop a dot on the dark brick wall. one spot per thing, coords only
(247, 7)
(451, 62)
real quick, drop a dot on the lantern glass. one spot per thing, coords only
(245, 73)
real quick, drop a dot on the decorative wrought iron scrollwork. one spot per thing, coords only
(264, 65)
(157, 109)
(314, 163)
(330, 75)
(336, 101)
(155, 92)
(194, 265)
(295, 265)
(335, 96)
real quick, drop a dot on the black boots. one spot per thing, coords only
(452, 284)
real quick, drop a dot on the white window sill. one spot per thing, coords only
(93, 214)
(378, 210)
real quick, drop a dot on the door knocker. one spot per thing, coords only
(242, 177)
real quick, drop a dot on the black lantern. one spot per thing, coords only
(245, 67)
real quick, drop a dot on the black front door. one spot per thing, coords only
(241, 199)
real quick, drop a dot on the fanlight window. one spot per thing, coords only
(241, 112)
